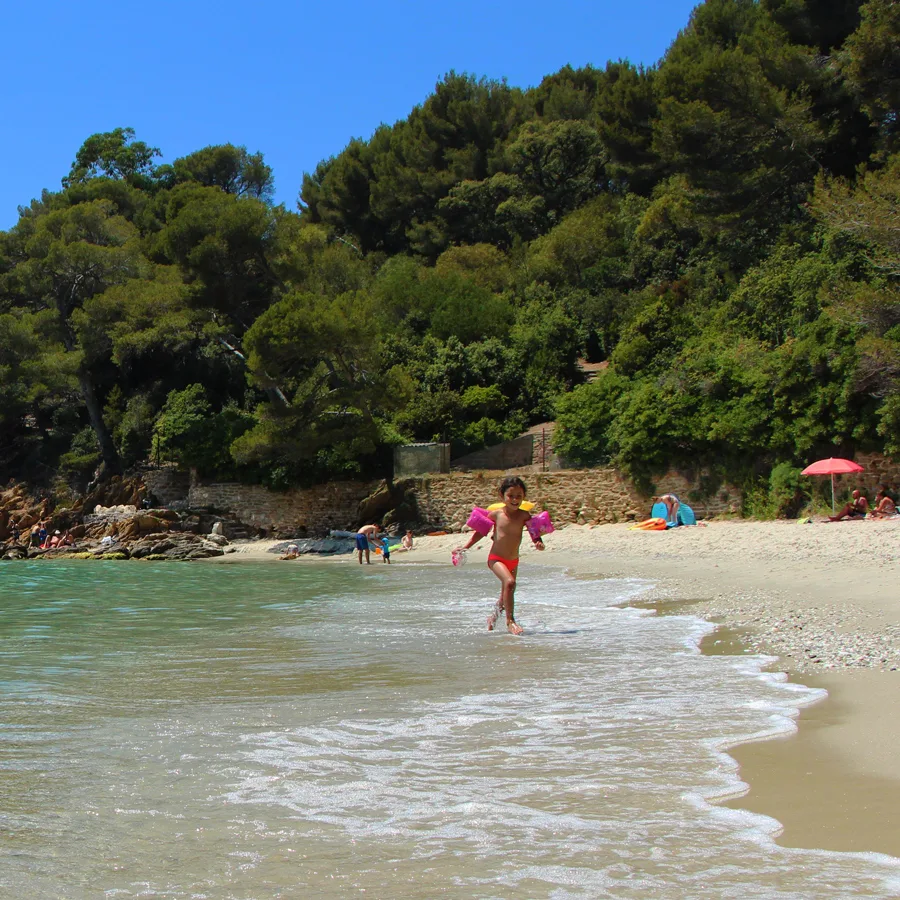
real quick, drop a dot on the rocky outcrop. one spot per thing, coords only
(118, 531)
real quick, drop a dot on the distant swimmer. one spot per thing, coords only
(363, 536)
(507, 524)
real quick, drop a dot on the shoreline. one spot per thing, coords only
(820, 598)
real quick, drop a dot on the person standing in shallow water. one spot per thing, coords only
(503, 559)
(363, 536)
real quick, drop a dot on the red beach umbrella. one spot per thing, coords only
(832, 466)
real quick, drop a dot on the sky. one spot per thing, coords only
(293, 79)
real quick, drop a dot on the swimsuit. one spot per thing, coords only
(362, 542)
(511, 564)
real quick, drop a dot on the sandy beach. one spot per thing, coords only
(823, 598)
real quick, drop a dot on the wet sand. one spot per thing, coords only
(823, 599)
(834, 784)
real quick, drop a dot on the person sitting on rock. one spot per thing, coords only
(856, 509)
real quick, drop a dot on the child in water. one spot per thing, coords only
(503, 559)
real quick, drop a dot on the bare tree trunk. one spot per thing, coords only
(95, 413)
(112, 463)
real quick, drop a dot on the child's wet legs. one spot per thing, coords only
(507, 598)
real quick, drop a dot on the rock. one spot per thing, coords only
(191, 523)
(216, 538)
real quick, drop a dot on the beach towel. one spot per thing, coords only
(659, 511)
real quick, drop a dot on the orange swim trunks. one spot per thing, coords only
(510, 564)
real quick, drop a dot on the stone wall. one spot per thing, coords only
(586, 496)
(444, 501)
(312, 511)
(878, 470)
(168, 485)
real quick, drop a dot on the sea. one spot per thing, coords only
(324, 729)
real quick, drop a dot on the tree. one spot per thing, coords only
(867, 211)
(321, 354)
(69, 256)
(114, 154)
(871, 62)
(225, 166)
(734, 121)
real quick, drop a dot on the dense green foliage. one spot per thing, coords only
(722, 228)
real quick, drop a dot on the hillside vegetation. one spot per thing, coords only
(723, 228)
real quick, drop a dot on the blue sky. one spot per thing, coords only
(295, 80)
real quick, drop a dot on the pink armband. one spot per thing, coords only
(480, 521)
(539, 524)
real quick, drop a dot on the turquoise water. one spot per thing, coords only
(268, 731)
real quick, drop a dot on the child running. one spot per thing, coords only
(503, 559)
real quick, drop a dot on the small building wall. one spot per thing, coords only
(512, 454)
(421, 459)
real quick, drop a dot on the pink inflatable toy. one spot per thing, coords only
(480, 521)
(540, 524)
(458, 557)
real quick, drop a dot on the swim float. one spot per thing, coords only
(657, 523)
(525, 504)
(539, 524)
(480, 521)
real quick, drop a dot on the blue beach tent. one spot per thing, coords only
(684, 516)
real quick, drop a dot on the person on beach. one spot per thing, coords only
(884, 504)
(407, 542)
(672, 504)
(363, 537)
(386, 549)
(856, 509)
(503, 558)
